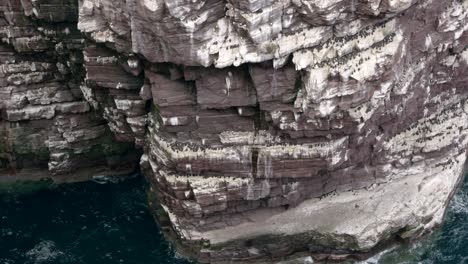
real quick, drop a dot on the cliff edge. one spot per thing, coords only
(268, 129)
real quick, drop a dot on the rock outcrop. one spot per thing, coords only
(269, 129)
(47, 128)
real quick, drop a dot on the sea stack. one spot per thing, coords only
(269, 130)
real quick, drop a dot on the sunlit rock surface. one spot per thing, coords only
(269, 129)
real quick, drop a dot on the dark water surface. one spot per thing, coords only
(110, 223)
(82, 223)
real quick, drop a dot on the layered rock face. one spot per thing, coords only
(270, 129)
(47, 128)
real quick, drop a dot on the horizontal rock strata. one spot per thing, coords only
(47, 127)
(269, 129)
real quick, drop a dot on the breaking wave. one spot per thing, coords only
(42, 252)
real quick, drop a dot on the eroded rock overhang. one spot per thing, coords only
(268, 127)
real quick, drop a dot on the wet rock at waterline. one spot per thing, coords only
(266, 129)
